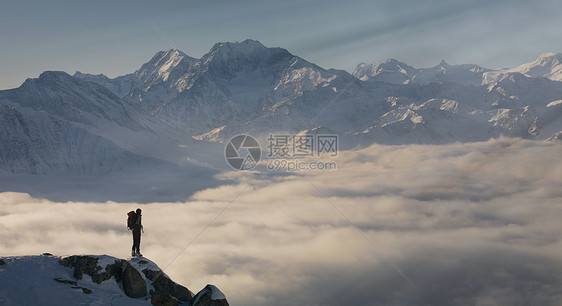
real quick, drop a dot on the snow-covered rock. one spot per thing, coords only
(94, 279)
(210, 296)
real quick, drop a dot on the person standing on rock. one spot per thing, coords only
(137, 228)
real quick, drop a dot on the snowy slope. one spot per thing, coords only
(37, 142)
(93, 280)
(548, 65)
(118, 86)
(58, 123)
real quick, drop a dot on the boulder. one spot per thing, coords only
(163, 300)
(2, 262)
(134, 284)
(209, 296)
(151, 274)
(163, 285)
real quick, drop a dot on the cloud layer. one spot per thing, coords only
(468, 224)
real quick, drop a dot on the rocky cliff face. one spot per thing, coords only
(51, 280)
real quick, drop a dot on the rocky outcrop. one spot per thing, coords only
(134, 284)
(163, 300)
(94, 279)
(163, 285)
(89, 265)
(135, 277)
(209, 296)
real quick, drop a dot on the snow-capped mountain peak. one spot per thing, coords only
(163, 67)
(247, 46)
(390, 71)
(226, 60)
(396, 72)
(548, 65)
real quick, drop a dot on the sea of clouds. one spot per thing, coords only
(459, 224)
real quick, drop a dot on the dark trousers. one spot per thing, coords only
(136, 240)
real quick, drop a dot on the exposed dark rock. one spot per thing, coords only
(151, 274)
(89, 265)
(209, 296)
(115, 269)
(81, 264)
(2, 262)
(164, 285)
(85, 290)
(163, 300)
(47, 254)
(74, 285)
(64, 281)
(133, 282)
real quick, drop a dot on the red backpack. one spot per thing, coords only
(130, 219)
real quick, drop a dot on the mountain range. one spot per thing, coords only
(164, 113)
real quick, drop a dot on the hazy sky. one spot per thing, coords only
(116, 37)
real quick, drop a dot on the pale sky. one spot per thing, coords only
(116, 37)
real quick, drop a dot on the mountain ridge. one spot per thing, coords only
(175, 103)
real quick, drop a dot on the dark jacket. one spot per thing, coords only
(137, 222)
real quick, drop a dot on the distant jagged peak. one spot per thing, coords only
(245, 46)
(164, 66)
(398, 71)
(443, 64)
(227, 59)
(81, 75)
(550, 60)
(50, 80)
(548, 65)
(555, 58)
(171, 54)
(54, 75)
(248, 48)
(394, 61)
